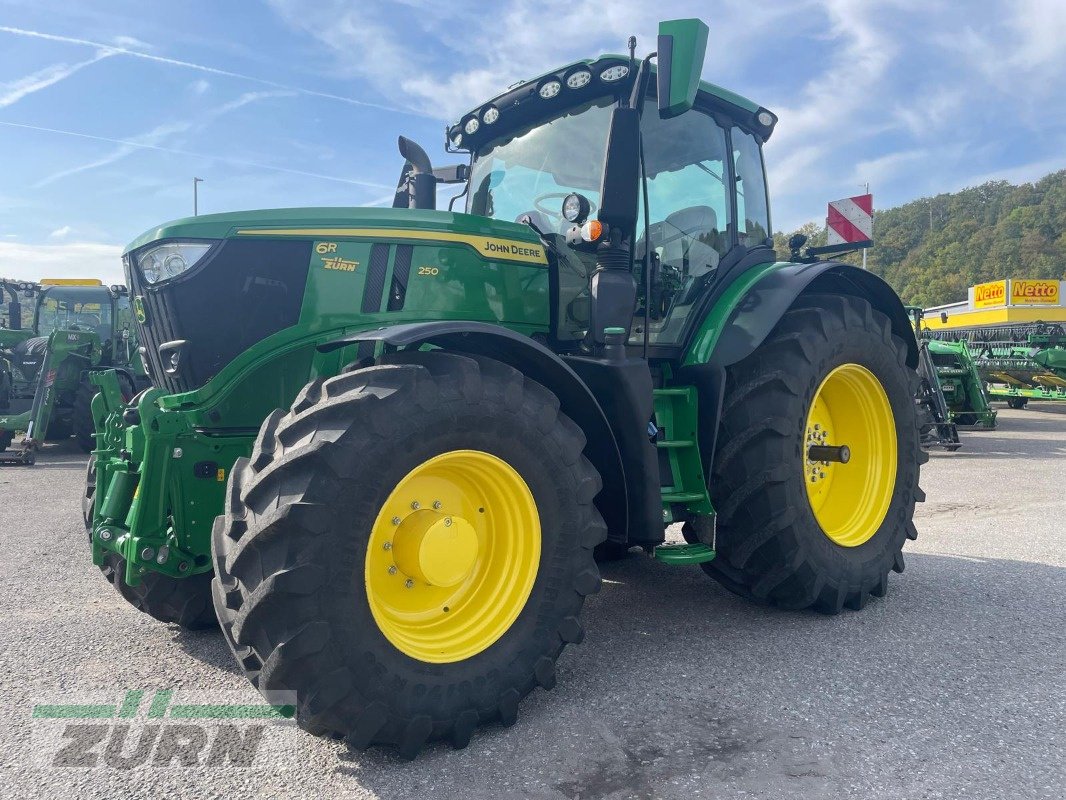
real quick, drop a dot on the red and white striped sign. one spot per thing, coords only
(851, 221)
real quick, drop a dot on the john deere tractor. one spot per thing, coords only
(385, 444)
(78, 327)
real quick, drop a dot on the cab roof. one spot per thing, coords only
(522, 102)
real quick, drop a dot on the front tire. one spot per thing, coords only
(181, 601)
(325, 589)
(795, 532)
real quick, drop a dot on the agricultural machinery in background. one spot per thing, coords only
(76, 327)
(937, 427)
(1021, 363)
(384, 445)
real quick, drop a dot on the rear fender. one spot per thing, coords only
(749, 309)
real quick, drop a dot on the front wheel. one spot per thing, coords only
(816, 469)
(408, 549)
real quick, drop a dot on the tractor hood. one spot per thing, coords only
(210, 291)
(237, 223)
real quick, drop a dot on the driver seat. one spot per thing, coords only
(693, 253)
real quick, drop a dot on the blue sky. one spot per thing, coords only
(109, 108)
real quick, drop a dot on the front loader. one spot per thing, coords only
(383, 445)
(79, 327)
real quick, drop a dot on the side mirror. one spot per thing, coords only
(681, 49)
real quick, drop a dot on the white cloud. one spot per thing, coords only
(118, 49)
(199, 86)
(60, 233)
(161, 133)
(472, 52)
(32, 262)
(13, 91)
(207, 157)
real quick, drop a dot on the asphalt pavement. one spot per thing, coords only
(952, 686)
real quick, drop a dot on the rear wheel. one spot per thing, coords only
(816, 469)
(6, 438)
(1017, 402)
(408, 549)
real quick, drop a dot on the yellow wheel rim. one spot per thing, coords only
(850, 497)
(453, 555)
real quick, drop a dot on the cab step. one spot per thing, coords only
(681, 554)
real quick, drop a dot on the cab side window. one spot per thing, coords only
(687, 165)
(753, 215)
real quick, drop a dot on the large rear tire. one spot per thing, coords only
(795, 532)
(329, 583)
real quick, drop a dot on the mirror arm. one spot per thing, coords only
(640, 84)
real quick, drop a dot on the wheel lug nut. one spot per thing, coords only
(392, 570)
(395, 520)
(387, 545)
(409, 583)
(447, 522)
(415, 505)
(437, 504)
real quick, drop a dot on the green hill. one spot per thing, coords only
(933, 248)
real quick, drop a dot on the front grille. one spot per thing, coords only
(243, 292)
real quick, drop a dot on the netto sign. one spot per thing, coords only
(986, 295)
(1016, 292)
(1034, 293)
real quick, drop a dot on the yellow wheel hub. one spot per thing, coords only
(453, 555)
(850, 474)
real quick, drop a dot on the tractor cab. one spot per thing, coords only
(85, 304)
(542, 153)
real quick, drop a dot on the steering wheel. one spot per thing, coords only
(557, 212)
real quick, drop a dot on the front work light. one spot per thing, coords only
(170, 260)
(550, 89)
(615, 73)
(472, 125)
(579, 79)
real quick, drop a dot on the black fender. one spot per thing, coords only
(533, 359)
(759, 311)
(768, 300)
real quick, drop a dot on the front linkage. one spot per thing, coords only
(162, 525)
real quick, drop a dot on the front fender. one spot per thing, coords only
(533, 359)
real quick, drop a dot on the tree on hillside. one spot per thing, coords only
(932, 249)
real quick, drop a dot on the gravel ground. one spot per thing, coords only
(952, 686)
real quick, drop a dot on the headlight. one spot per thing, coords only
(550, 89)
(575, 208)
(170, 260)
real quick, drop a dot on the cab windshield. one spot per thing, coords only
(72, 308)
(531, 172)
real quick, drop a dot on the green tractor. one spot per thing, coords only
(79, 327)
(962, 385)
(386, 444)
